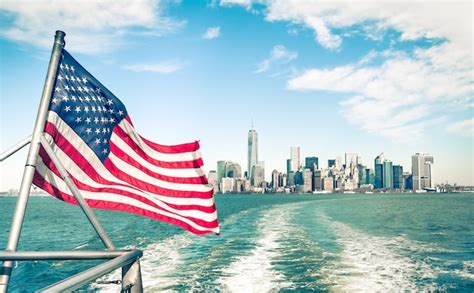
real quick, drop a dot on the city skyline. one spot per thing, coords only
(367, 77)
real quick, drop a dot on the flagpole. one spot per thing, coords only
(28, 173)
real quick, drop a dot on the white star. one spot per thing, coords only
(97, 141)
(60, 77)
(88, 120)
(77, 109)
(103, 120)
(81, 99)
(54, 100)
(120, 112)
(72, 68)
(104, 130)
(73, 89)
(56, 89)
(66, 87)
(93, 98)
(67, 108)
(111, 111)
(86, 109)
(108, 130)
(88, 131)
(109, 102)
(86, 89)
(78, 119)
(65, 98)
(66, 66)
(79, 89)
(112, 120)
(104, 109)
(97, 130)
(87, 99)
(61, 66)
(84, 80)
(96, 120)
(104, 141)
(104, 151)
(73, 98)
(93, 109)
(67, 77)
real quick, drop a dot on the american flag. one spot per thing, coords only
(114, 167)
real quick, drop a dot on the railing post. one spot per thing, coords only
(132, 278)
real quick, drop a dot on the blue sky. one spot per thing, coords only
(364, 77)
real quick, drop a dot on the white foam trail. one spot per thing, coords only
(372, 263)
(254, 272)
(158, 263)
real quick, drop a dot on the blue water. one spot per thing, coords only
(271, 243)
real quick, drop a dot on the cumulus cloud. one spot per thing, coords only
(91, 26)
(212, 33)
(162, 68)
(278, 56)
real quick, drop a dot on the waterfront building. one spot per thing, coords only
(378, 167)
(299, 177)
(408, 178)
(312, 163)
(220, 171)
(289, 164)
(331, 163)
(370, 176)
(362, 174)
(283, 180)
(328, 183)
(351, 161)
(387, 174)
(228, 185)
(421, 165)
(275, 179)
(212, 179)
(398, 177)
(290, 180)
(307, 180)
(258, 174)
(338, 163)
(233, 170)
(295, 158)
(318, 180)
(252, 151)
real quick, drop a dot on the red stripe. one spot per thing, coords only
(172, 149)
(196, 163)
(39, 181)
(77, 157)
(82, 186)
(129, 160)
(118, 173)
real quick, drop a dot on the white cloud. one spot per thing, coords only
(403, 95)
(278, 56)
(212, 33)
(91, 26)
(464, 127)
(163, 68)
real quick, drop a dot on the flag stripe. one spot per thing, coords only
(40, 181)
(78, 174)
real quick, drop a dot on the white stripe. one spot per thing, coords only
(183, 173)
(78, 143)
(108, 197)
(80, 175)
(130, 130)
(138, 174)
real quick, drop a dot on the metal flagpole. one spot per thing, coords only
(28, 173)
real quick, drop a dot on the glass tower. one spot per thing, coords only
(252, 153)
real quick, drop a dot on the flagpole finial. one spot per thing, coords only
(59, 37)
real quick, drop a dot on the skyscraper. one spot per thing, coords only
(295, 158)
(220, 171)
(421, 171)
(275, 179)
(252, 154)
(331, 163)
(351, 160)
(312, 163)
(233, 170)
(387, 174)
(378, 167)
(398, 177)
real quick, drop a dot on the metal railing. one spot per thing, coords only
(127, 260)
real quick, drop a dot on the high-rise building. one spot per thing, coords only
(252, 152)
(398, 177)
(307, 180)
(220, 171)
(283, 180)
(288, 166)
(312, 163)
(421, 170)
(328, 183)
(351, 161)
(212, 179)
(290, 180)
(258, 174)
(408, 178)
(228, 185)
(295, 158)
(275, 179)
(331, 163)
(369, 176)
(338, 163)
(378, 167)
(233, 170)
(362, 174)
(387, 174)
(318, 180)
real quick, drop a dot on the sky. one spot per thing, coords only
(330, 77)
